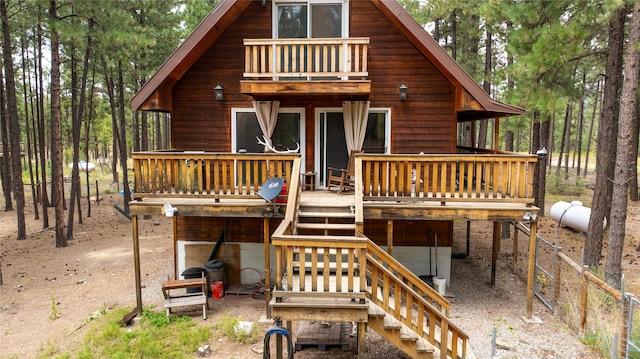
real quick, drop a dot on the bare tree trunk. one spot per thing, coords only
(75, 142)
(580, 129)
(87, 127)
(27, 119)
(633, 185)
(545, 129)
(123, 139)
(486, 85)
(593, 120)
(5, 165)
(625, 159)
(563, 139)
(534, 145)
(44, 196)
(14, 124)
(607, 139)
(56, 129)
(508, 146)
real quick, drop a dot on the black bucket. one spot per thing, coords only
(191, 273)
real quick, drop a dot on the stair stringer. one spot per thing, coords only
(400, 335)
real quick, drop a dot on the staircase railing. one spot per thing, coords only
(409, 300)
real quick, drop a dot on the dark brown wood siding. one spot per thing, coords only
(208, 229)
(200, 122)
(424, 123)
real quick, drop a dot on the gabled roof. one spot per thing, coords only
(159, 86)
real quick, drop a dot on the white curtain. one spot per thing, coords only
(355, 115)
(267, 113)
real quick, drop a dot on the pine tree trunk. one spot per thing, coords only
(27, 120)
(607, 139)
(593, 120)
(14, 124)
(545, 129)
(44, 193)
(5, 165)
(625, 154)
(56, 130)
(580, 128)
(123, 139)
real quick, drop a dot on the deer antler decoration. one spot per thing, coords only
(266, 144)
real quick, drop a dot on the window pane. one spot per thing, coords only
(374, 136)
(292, 21)
(326, 20)
(285, 136)
(247, 128)
(287, 132)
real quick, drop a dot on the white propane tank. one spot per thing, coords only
(573, 215)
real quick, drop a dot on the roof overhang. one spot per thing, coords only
(155, 95)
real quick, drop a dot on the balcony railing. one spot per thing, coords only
(299, 58)
(448, 177)
(206, 174)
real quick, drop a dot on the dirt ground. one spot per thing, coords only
(96, 271)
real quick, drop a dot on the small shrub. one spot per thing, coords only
(55, 312)
(558, 185)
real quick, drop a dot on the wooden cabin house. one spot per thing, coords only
(356, 85)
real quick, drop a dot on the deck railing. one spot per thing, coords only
(409, 300)
(206, 174)
(448, 177)
(316, 58)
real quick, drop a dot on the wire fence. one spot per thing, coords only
(606, 318)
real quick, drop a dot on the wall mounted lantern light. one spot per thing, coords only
(219, 91)
(403, 91)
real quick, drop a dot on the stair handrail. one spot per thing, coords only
(418, 285)
(408, 288)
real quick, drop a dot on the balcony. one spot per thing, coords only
(306, 66)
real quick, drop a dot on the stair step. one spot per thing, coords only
(391, 323)
(346, 214)
(407, 335)
(423, 346)
(323, 226)
(375, 311)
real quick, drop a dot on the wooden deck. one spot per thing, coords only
(412, 209)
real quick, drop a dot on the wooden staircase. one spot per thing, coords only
(327, 271)
(327, 219)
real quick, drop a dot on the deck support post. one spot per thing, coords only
(390, 236)
(532, 267)
(136, 262)
(515, 248)
(362, 329)
(267, 265)
(495, 250)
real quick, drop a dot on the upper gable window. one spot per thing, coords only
(310, 19)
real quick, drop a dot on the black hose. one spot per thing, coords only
(266, 352)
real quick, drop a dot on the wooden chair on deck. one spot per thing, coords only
(343, 178)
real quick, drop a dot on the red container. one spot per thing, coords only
(283, 193)
(217, 289)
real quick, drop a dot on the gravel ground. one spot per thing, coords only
(96, 270)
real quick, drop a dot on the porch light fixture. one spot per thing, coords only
(219, 91)
(403, 91)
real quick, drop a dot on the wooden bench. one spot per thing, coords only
(172, 300)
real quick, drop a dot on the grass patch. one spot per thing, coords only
(229, 326)
(155, 336)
